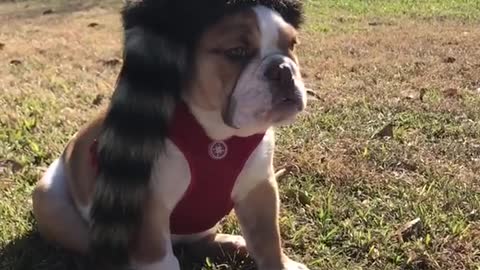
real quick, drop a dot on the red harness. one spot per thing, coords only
(214, 168)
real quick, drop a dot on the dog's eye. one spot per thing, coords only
(237, 53)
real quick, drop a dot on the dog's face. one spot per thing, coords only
(246, 67)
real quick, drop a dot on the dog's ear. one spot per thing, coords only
(132, 137)
(292, 11)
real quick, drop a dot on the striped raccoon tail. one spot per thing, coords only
(132, 137)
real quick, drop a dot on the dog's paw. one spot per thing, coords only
(287, 264)
(232, 244)
(293, 265)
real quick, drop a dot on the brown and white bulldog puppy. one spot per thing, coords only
(243, 79)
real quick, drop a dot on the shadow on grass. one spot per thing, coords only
(32, 252)
(227, 261)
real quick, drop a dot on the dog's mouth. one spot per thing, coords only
(285, 108)
(289, 102)
(228, 113)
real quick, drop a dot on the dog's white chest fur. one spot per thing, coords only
(171, 176)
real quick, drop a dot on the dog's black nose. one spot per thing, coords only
(281, 72)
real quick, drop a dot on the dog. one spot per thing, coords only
(188, 137)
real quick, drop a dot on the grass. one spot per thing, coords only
(408, 71)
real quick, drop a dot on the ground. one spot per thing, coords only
(391, 134)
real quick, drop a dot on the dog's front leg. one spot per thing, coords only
(257, 213)
(153, 249)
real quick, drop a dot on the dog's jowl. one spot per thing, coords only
(187, 138)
